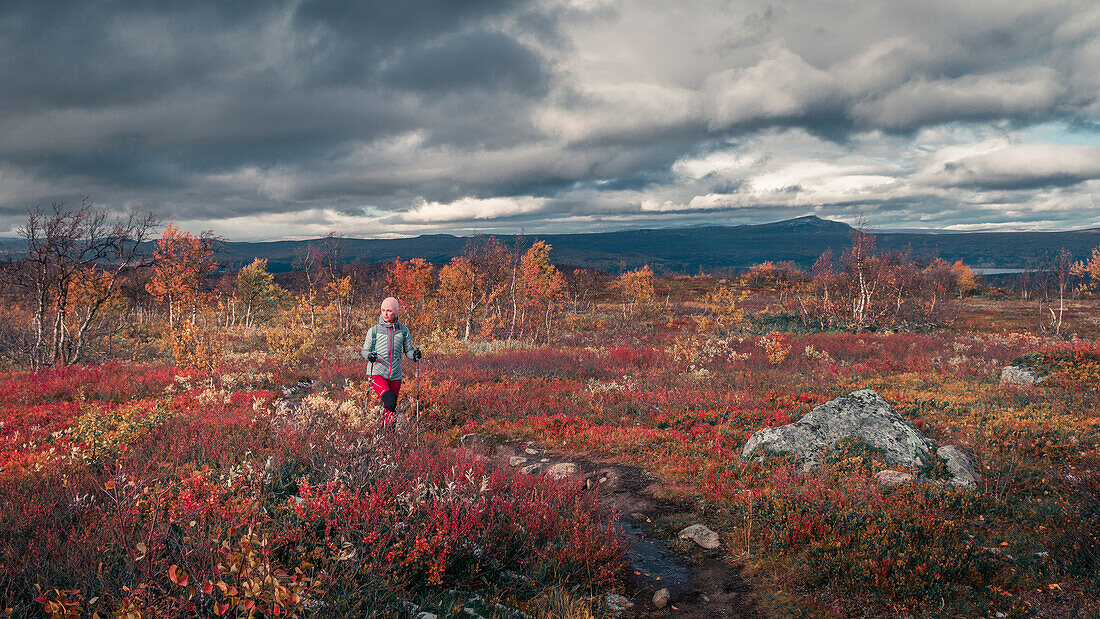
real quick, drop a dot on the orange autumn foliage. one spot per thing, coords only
(182, 262)
(411, 282)
(540, 285)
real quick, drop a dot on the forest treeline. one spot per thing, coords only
(83, 288)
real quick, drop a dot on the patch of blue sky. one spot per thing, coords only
(1061, 133)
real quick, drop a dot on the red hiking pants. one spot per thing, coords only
(381, 385)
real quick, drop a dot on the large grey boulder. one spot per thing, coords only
(861, 414)
(864, 415)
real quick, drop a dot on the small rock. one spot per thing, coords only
(1019, 376)
(544, 460)
(563, 469)
(660, 598)
(531, 452)
(962, 471)
(891, 479)
(516, 460)
(427, 615)
(617, 603)
(531, 469)
(701, 535)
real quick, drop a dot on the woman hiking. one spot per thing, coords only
(386, 342)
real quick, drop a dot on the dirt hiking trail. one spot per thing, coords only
(701, 583)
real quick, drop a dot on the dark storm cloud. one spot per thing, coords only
(361, 36)
(433, 113)
(487, 61)
(90, 55)
(388, 24)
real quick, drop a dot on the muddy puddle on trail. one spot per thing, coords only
(651, 564)
(707, 585)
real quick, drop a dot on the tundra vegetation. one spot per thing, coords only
(182, 439)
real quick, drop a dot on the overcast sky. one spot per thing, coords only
(265, 120)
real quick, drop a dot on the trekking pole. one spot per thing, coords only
(417, 432)
(370, 389)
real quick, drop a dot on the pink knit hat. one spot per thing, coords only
(390, 303)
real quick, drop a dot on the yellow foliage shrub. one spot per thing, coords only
(288, 344)
(197, 348)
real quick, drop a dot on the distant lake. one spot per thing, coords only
(981, 271)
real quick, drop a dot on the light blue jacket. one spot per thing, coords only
(390, 341)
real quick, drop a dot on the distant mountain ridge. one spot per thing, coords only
(687, 250)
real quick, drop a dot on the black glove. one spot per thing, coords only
(416, 354)
(372, 357)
